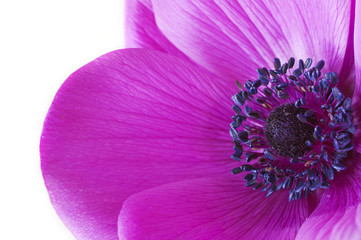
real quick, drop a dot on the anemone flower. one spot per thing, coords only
(136, 144)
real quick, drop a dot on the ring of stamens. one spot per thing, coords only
(281, 107)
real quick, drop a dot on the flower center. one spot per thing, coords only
(285, 133)
(292, 128)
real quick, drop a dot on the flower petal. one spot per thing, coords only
(233, 38)
(357, 40)
(347, 73)
(210, 209)
(337, 216)
(141, 30)
(348, 226)
(130, 120)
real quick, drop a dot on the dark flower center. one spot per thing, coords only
(292, 128)
(286, 133)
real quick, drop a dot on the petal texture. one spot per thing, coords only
(347, 74)
(338, 213)
(233, 38)
(210, 209)
(357, 40)
(348, 226)
(141, 30)
(130, 120)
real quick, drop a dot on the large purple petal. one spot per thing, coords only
(210, 209)
(130, 120)
(233, 38)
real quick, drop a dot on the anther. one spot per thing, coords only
(292, 130)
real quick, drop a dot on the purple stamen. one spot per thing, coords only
(294, 130)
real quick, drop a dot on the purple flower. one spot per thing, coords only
(136, 143)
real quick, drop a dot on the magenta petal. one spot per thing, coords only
(347, 73)
(337, 216)
(216, 208)
(348, 225)
(356, 99)
(141, 30)
(233, 38)
(357, 40)
(130, 120)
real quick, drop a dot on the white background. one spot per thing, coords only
(41, 43)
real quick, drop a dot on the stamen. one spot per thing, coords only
(292, 128)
